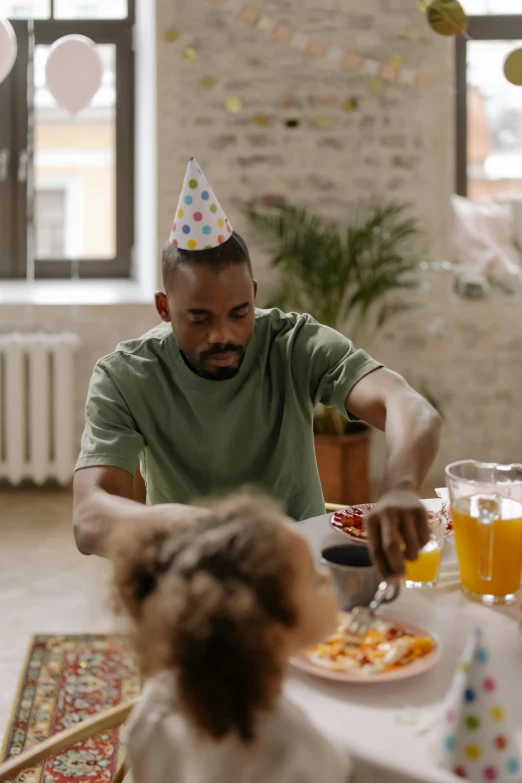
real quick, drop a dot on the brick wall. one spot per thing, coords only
(397, 144)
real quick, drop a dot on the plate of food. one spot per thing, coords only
(391, 650)
(350, 521)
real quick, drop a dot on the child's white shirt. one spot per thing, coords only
(164, 747)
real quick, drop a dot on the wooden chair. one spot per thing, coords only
(110, 719)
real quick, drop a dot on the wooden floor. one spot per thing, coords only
(46, 586)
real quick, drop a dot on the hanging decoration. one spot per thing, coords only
(317, 48)
(447, 17)
(414, 35)
(233, 104)
(350, 104)
(396, 60)
(513, 68)
(190, 55)
(8, 48)
(324, 121)
(172, 35)
(208, 81)
(73, 72)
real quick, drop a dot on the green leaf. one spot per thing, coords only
(339, 272)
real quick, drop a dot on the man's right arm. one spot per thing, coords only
(102, 502)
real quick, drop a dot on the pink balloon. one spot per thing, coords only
(8, 48)
(73, 72)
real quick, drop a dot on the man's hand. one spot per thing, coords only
(397, 529)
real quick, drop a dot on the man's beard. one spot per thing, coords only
(216, 373)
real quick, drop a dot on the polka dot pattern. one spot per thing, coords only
(489, 684)
(477, 744)
(200, 222)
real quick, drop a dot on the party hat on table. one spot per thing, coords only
(200, 222)
(476, 744)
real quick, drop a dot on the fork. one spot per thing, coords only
(362, 617)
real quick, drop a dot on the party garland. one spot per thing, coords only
(393, 73)
(293, 107)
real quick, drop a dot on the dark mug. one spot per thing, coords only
(355, 577)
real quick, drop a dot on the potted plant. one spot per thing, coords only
(342, 275)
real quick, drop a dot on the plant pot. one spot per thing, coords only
(343, 462)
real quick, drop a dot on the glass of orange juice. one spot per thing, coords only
(424, 572)
(486, 508)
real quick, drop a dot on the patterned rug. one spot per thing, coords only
(65, 680)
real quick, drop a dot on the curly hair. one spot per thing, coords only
(209, 597)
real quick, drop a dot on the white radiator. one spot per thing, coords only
(37, 407)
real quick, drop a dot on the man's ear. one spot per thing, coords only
(255, 289)
(162, 306)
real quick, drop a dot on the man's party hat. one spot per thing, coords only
(200, 222)
(475, 743)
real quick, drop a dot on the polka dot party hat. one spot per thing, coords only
(475, 743)
(199, 223)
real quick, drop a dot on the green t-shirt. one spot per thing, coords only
(196, 437)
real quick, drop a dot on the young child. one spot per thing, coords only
(219, 602)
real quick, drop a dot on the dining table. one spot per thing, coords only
(391, 729)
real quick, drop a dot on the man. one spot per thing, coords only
(221, 395)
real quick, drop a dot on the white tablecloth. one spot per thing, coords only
(369, 719)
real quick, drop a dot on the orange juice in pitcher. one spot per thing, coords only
(486, 507)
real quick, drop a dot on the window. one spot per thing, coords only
(50, 212)
(489, 108)
(66, 183)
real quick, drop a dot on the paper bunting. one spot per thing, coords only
(317, 48)
(190, 55)
(208, 82)
(172, 35)
(233, 104)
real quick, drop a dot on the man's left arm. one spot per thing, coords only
(397, 525)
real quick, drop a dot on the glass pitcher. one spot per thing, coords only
(486, 508)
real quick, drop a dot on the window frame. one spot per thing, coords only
(13, 251)
(481, 28)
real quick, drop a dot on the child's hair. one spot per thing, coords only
(209, 597)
